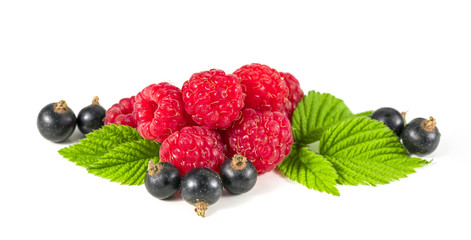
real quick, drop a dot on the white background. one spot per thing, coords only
(410, 55)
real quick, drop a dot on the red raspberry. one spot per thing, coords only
(295, 94)
(225, 144)
(263, 86)
(263, 137)
(160, 111)
(193, 147)
(213, 99)
(121, 113)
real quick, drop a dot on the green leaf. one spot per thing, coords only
(126, 163)
(315, 113)
(374, 171)
(114, 152)
(310, 169)
(365, 151)
(364, 114)
(98, 143)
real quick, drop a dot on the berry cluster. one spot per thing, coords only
(218, 131)
(56, 121)
(216, 115)
(201, 186)
(420, 136)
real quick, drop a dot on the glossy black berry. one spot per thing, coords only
(56, 121)
(91, 117)
(421, 136)
(238, 174)
(201, 187)
(391, 118)
(162, 180)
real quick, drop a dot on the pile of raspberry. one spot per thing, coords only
(216, 115)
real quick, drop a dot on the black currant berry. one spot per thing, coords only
(238, 174)
(56, 121)
(421, 136)
(201, 187)
(91, 117)
(162, 179)
(391, 118)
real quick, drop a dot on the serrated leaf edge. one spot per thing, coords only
(120, 173)
(294, 167)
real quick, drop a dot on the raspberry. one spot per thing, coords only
(213, 99)
(160, 111)
(225, 144)
(263, 86)
(295, 94)
(121, 113)
(263, 137)
(193, 147)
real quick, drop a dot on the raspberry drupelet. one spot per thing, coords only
(213, 99)
(265, 138)
(159, 110)
(193, 147)
(265, 89)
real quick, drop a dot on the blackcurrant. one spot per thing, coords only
(421, 136)
(238, 174)
(162, 180)
(91, 117)
(391, 118)
(201, 187)
(56, 121)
